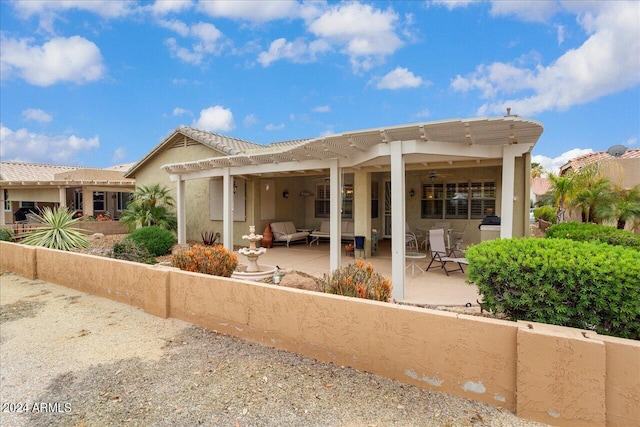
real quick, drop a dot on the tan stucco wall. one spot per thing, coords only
(51, 195)
(557, 375)
(91, 175)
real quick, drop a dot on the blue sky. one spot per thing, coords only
(98, 83)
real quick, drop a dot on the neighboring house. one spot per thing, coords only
(539, 187)
(623, 170)
(455, 170)
(91, 191)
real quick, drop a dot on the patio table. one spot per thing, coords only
(413, 256)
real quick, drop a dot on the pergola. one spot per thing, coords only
(448, 142)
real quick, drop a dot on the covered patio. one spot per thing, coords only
(431, 288)
(480, 164)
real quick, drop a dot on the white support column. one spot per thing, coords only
(509, 154)
(397, 220)
(362, 208)
(62, 195)
(335, 215)
(87, 201)
(227, 209)
(181, 207)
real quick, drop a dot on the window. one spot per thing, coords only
(30, 205)
(374, 200)
(347, 201)
(323, 201)
(458, 200)
(123, 200)
(432, 201)
(483, 199)
(98, 201)
(7, 203)
(77, 200)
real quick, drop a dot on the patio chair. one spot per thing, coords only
(457, 239)
(439, 252)
(411, 239)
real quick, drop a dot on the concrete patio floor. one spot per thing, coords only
(432, 288)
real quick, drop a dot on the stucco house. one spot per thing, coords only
(90, 190)
(623, 170)
(457, 170)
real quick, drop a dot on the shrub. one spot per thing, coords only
(545, 213)
(56, 231)
(214, 260)
(157, 240)
(6, 234)
(358, 280)
(130, 250)
(588, 232)
(561, 282)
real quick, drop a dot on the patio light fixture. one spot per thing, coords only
(235, 186)
(412, 193)
(285, 194)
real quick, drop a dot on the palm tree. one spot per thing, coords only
(624, 207)
(561, 190)
(149, 206)
(537, 170)
(593, 193)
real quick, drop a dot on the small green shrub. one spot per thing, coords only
(157, 240)
(588, 232)
(214, 260)
(358, 280)
(6, 234)
(545, 213)
(561, 282)
(130, 250)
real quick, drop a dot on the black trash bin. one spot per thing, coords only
(359, 241)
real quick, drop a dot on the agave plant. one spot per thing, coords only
(56, 232)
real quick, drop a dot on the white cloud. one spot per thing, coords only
(163, 7)
(423, 113)
(48, 11)
(365, 34)
(180, 111)
(526, 10)
(215, 119)
(631, 141)
(22, 145)
(322, 109)
(271, 127)
(250, 120)
(452, 4)
(36, 115)
(207, 39)
(252, 10)
(295, 51)
(606, 63)
(400, 78)
(553, 164)
(119, 154)
(74, 59)
(560, 34)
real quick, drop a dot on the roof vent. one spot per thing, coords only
(508, 111)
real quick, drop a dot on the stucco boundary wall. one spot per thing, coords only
(556, 375)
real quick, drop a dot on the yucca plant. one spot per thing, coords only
(56, 232)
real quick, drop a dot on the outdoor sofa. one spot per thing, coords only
(286, 232)
(324, 232)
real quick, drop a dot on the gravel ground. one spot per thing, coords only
(95, 362)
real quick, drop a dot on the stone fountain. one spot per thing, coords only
(253, 271)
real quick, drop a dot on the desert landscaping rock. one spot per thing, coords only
(95, 362)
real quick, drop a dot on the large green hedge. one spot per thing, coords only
(562, 282)
(588, 232)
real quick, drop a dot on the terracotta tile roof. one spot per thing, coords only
(226, 144)
(19, 171)
(582, 161)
